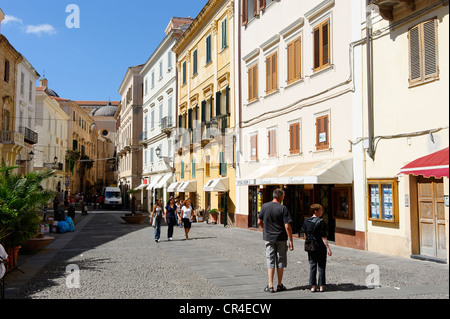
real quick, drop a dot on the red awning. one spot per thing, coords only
(433, 165)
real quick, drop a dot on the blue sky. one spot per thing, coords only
(89, 63)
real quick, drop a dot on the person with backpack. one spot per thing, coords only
(316, 244)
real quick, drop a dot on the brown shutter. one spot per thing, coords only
(254, 147)
(316, 45)
(297, 59)
(318, 131)
(275, 71)
(325, 130)
(290, 62)
(294, 133)
(325, 43)
(255, 8)
(268, 73)
(250, 84)
(322, 127)
(262, 4)
(244, 12)
(255, 82)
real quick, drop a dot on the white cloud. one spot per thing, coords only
(9, 19)
(39, 29)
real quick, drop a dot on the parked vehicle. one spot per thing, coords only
(111, 197)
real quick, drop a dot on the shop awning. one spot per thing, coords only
(217, 185)
(155, 181)
(173, 187)
(433, 165)
(187, 187)
(164, 181)
(142, 186)
(339, 171)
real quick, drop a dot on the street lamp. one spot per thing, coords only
(30, 158)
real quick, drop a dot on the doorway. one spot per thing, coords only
(432, 237)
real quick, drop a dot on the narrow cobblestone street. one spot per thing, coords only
(122, 261)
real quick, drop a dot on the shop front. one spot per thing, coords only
(329, 183)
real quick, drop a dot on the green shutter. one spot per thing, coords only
(182, 170)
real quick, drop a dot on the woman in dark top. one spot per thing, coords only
(171, 217)
(317, 259)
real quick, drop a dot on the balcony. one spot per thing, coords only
(167, 124)
(11, 138)
(387, 7)
(143, 138)
(29, 136)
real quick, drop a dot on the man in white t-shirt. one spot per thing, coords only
(3, 257)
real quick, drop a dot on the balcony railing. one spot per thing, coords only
(143, 137)
(29, 136)
(11, 138)
(166, 123)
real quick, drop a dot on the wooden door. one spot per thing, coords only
(432, 217)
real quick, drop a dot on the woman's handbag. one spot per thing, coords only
(311, 245)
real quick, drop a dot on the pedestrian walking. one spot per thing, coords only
(171, 217)
(158, 214)
(314, 227)
(180, 217)
(187, 212)
(276, 221)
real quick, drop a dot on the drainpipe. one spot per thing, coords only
(370, 79)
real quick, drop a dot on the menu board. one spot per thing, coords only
(387, 201)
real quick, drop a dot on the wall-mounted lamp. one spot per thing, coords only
(30, 158)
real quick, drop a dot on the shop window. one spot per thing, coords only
(342, 203)
(383, 200)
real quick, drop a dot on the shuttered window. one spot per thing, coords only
(254, 147)
(423, 57)
(294, 61)
(321, 39)
(294, 138)
(208, 49)
(322, 133)
(272, 143)
(271, 73)
(224, 34)
(253, 83)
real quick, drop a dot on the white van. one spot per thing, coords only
(112, 197)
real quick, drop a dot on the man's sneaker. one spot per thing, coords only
(170, 239)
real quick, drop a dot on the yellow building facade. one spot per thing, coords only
(205, 147)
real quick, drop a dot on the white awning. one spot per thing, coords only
(155, 180)
(141, 186)
(187, 187)
(217, 185)
(173, 187)
(164, 181)
(324, 172)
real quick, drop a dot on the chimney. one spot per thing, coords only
(2, 17)
(176, 22)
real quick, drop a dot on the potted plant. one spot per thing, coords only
(213, 213)
(21, 199)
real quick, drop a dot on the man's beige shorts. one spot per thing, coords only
(276, 254)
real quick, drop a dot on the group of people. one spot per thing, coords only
(275, 220)
(176, 212)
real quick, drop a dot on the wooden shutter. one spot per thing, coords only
(294, 61)
(414, 55)
(227, 100)
(210, 108)
(190, 119)
(297, 59)
(430, 48)
(294, 138)
(254, 147)
(322, 132)
(262, 4)
(316, 37)
(271, 73)
(203, 112)
(290, 63)
(250, 84)
(244, 12)
(325, 43)
(274, 71)
(321, 45)
(218, 102)
(268, 74)
(272, 143)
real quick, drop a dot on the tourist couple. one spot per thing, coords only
(276, 222)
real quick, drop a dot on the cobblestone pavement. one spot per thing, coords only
(122, 261)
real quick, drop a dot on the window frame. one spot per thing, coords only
(271, 73)
(252, 82)
(394, 196)
(272, 150)
(322, 146)
(292, 125)
(319, 26)
(422, 50)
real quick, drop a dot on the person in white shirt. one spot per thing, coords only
(187, 212)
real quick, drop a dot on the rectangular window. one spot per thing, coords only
(294, 69)
(383, 200)
(294, 138)
(152, 119)
(208, 166)
(271, 73)
(194, 63)
(322, 133)
(30, 91)
(182, 170)
(193, 168)
(423, 52)
(208, 49)
(254, 147)
(6, 73)
(253, 83)
(169, 60)
(22, 83)
(224, 34)
(321, 45)
(146, 86)
(223, 164)
(160, 69)
(184, 72)
(272, 143)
